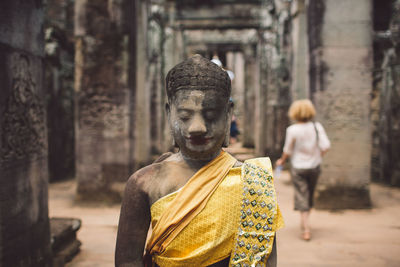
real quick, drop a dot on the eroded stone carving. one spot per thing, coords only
(99, 108)
(23, 122)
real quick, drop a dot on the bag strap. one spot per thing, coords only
(316, 132)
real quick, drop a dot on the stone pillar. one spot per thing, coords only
(251, 86)
(262, 96)
(235, 62)
(103, 97)
(282, 78)
(389, 115)
(383, 15)
(59, 84)
(173, 53)
(341, 55)
(24, 222)
(169, 62)
(141, 130)
(274, 50)
(300, 82)
(269, 98)
(155, 80)
(389, 130)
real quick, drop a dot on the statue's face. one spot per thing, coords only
(199, 122)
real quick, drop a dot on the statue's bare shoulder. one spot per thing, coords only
(144, 179)
(165, 175)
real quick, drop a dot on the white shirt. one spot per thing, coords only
(301, 144)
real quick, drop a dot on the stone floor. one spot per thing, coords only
(347, 238)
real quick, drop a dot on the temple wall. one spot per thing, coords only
(340, 85)
(24, 223)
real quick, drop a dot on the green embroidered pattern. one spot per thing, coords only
(256, 230)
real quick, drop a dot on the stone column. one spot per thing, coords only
(24, 223)
(59, 84)
(103, 92)
(262, 96)
(300, 82)
(235, 62)
(251, 86)
(169, 62)
(142, 98)
(389, 115)
(341, 51)
(280, 79)
(156, 87)
(173, 53)
(273, 95)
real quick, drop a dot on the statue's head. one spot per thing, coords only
(198, 108)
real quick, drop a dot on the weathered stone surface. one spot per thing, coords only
(275, 61)
(299, 85)
(328, 199)
(348, 58)
(389, 126)
(382, 16)
(235, 63)
(345, 34)
(24, 224)
(230, 14)
(142, 94)
(348, 12)
(63, 239)
(59, 81)
(226, 37)
(156, 79)
(340, 86)
(385, 156)
(103, 99)
(251, 83)
(14, 21)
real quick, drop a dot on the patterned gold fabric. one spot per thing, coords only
(213, 234)
(188, 203)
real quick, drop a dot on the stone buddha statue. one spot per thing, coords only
(196, 207)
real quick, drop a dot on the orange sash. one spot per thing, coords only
(189, 201)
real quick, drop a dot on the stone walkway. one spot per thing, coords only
(348, 238)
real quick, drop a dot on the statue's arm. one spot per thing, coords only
(272, 259)
(133, 224)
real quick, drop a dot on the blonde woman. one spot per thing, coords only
(305, 143)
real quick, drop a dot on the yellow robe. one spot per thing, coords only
(239, 221)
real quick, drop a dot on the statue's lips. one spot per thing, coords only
(198, 140)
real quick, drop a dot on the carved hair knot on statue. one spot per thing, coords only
(197, 73)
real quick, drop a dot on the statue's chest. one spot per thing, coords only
(170, 180)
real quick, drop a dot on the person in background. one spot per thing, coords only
(234, 131)
(306, 143)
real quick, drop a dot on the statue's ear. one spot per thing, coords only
(228, 125)
(168, 111)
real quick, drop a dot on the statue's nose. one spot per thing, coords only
(197, 126)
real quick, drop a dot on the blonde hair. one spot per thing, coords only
(301, 110)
